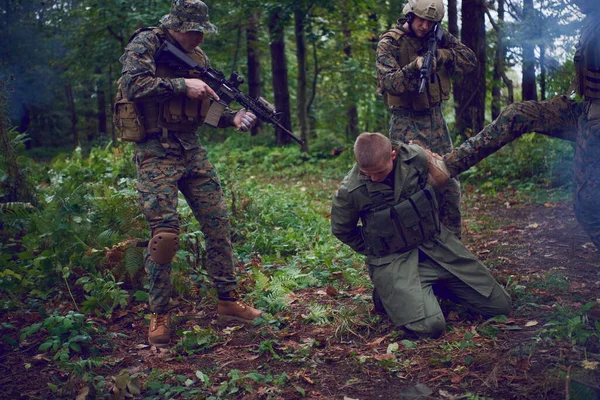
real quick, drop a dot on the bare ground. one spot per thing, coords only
(539, 251)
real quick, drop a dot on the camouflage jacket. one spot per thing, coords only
(587, 58)
(398, 47)
(141, 84)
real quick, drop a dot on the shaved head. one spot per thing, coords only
(371, 148)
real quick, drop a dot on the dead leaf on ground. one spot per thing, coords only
(377, 341)
(331, 291)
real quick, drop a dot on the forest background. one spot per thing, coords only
(69, 266)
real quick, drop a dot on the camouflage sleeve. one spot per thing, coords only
(463, 58)
(393, 77)
(344, 222)
(138, 75)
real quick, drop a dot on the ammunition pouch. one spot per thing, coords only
(128, 119)
(404, 226)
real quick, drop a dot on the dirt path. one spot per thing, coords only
(538, 250)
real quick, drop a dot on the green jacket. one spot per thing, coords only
(396, 275)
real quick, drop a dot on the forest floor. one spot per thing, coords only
(540, 352)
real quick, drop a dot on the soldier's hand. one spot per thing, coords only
(244, 120)
(442, 56)
(197, 89)
(438, 172)
(416, 64)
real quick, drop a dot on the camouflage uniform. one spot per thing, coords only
(171, 160)
(559, 117)
(418, 117)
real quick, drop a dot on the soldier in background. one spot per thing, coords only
(411, 256)
(559, 117)
(418, 117)
(171, 104)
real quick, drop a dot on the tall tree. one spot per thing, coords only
(499, 73)
(351, 109)
(277, 21)
(529, 31)
(301, 99)
(470, 97)
(253, 56)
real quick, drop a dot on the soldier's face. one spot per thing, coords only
(190, 40)
(380, 171)
(421, 27)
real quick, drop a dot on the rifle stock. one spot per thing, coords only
(226, 89)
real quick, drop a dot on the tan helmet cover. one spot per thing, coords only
(431, 10)
(164, 245)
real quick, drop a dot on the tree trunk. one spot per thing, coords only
(351, 109)
(72, 114)
(280, 73)
(543, 71)
(529, 86)
(101, 110)
(452, 18)
(499, 56)
(252, 46)
(470, 98)
(301, 108)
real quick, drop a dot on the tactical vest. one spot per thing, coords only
(178, 113)
(396, 228)
(404, 226)
(438, 86)
(587, 61)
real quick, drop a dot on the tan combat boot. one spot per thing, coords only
(230, 308)
(159, 332)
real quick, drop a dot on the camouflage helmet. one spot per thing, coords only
(188, 15)
(431, 10)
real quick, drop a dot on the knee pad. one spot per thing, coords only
(163, 245)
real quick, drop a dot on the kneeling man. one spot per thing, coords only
(386, 210)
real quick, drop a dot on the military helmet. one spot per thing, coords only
(188, 15)
(431, 10)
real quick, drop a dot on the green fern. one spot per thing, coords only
(317, 314)
(134, 260)
(16, 208)
(107, 238)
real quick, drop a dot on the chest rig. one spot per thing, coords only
(177, 113)
(407, 49)
(391, 226)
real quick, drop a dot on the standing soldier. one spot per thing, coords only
(160, 108)
(559, 117)
(417, 116)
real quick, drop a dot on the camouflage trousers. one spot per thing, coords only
(161, 174)
(559, 117)
(428, 129)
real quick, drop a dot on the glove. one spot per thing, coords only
(244, 120)
(415, 64)
(443, 56)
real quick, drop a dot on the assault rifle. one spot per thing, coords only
(428, 59)
(226, 89)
